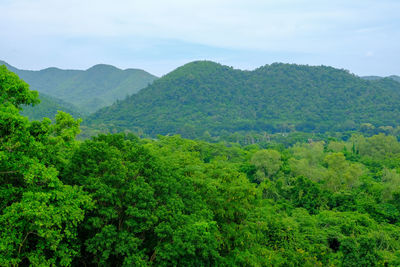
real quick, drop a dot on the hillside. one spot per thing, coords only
(120, 200)
(89, 90)
(48, 108)
(393, 77)
(206, 96)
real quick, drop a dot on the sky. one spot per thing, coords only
(362, 36)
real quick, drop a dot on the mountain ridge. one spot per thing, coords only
(373, 77)
(90, 89)
(207, 96)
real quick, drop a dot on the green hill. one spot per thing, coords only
(88, 90)
(48, 108)
(393, 77)
(206, 96)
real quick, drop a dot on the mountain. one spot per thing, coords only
(393, 77)
(372, 78)
(205, 96)
(88, 90)
(48, 108)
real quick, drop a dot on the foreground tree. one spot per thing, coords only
(39, 214)
(145, 212)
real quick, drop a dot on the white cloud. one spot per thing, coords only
(238, 24)
(337, 27)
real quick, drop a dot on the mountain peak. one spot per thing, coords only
(89, 89)
(202, 64)
(199, 68)
(204, 95)
(103, 67)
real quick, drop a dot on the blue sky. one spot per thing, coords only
(362, 36)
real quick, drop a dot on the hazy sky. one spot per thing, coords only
(362, 36)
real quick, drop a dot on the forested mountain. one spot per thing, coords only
(206, 96)
(118, 200)
(48, 108)
(393, 77)
(89, 90)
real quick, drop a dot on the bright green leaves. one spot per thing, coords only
(39, 215)
(111, 246)
(41, 228)
(117, 200)
(15, 91)
(341, 174)
(267, 163)
(142, 213)
(378, 146)
(66, 127)
(193, 243)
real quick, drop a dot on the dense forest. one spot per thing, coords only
(119, 200)
(393, 77)
(205, 96)
(88, 90)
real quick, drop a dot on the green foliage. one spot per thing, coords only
(119, 200)
(393, 77)
(39, 214)
(203, 96)
(14, 91)
(145, 211)
(48, 108)
(379, 146)
(267, 163)
(88, 90)
(306, 194)
(340, 173)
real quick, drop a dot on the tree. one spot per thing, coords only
(341, 174)
(267, 162)
(39, 214)
(14, 91)
(145, 211)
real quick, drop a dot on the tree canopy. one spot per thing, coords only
(119, 200)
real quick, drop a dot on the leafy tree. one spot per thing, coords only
(307, 194)
(378, 146)
(39, 214)
(144, 213)
(267, 163)
(341, 174)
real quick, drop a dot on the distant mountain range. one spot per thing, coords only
(204, 96)
(88, 90)
(393, 77)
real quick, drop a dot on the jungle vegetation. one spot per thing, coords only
(121, 200)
